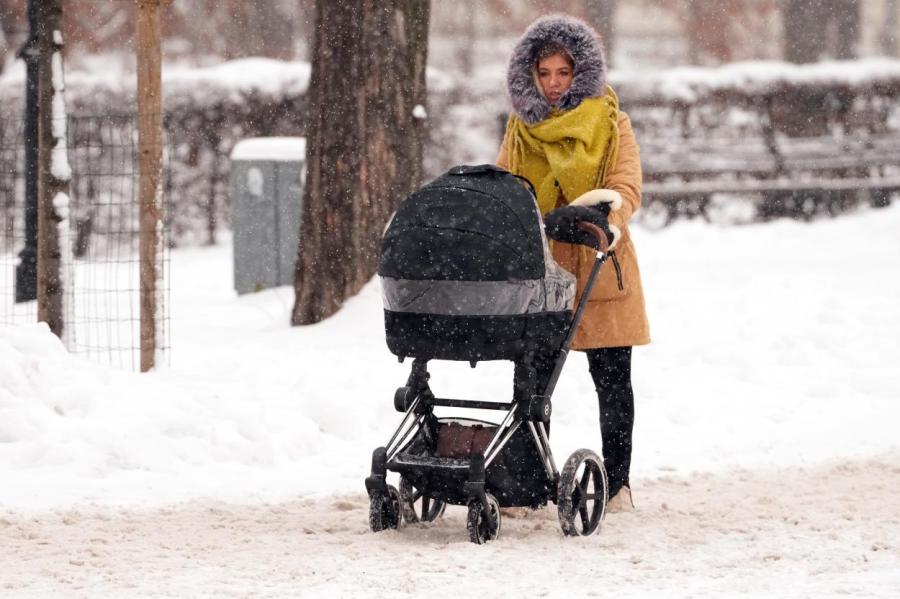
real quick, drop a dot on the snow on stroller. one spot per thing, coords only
(467, 275)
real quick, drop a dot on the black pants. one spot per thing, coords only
(611, 370)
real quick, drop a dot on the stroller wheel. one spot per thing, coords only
(582, 494)
(481, 528)
(416, 506)
(384, 510)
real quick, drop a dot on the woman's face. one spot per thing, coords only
(555, 74)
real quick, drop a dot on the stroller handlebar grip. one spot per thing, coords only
(597, 232)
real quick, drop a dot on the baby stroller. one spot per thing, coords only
(467, 275)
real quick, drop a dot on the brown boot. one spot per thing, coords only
(514, 512)
(620, 502)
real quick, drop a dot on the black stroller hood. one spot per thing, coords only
(464, 259)
(471, 224)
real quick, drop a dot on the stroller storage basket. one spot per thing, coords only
(515, 477)
(467, 274)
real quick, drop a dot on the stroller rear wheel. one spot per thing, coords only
(384, 510)
(481, 527)
(416, 506)
(582, 494)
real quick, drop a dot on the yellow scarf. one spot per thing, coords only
(569, 151)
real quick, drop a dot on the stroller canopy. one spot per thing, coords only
(465, 264)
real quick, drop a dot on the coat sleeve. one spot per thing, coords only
(625, 177)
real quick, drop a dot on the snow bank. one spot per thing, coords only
(689, 84)
(231, 80)
(69, 427)
(261, 75)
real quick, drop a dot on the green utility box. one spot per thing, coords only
(267, 180)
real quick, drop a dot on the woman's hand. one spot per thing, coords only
(562, 225)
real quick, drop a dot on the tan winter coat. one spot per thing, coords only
(613, 317)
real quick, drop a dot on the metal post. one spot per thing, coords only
(26, 270)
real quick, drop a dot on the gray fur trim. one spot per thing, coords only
(590, 66)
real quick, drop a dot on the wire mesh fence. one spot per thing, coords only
(104, 223)
(12, 219)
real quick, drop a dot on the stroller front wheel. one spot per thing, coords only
(483, 528)
(384, 510)
(582, 494)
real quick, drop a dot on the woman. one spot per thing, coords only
(569, 138)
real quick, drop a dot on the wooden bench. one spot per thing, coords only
(798, 148)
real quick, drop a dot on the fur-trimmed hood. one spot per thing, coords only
(528, 101)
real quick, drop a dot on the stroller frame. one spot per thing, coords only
(417, 402)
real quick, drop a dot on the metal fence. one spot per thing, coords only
(12, 219)
(104, 290)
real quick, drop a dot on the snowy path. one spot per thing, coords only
(817, 532)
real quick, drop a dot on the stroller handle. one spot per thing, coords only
(597, 232)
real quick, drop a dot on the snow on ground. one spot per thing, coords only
(767, 459)
(825, 531)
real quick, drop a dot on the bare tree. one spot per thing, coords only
(4, 49)
(53, 172)
(723, 30)
(257, 29)
(889, 29)
(803, 31)
(275, 27)
(98, 26)
(814, 29)
(366, 131)
(8, 23)
(846, 17)
(601, 14)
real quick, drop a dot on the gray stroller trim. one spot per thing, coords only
(554, 293)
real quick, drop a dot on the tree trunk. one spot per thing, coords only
(54, 249)
(846, 15)
(213, 141)
(602, 15)
(814, 29)
(257, 29)
(275, 30)
(698, 30)
(889, 29)
(6, 31)
(804, 30)
(4, 49)
(366, 133)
